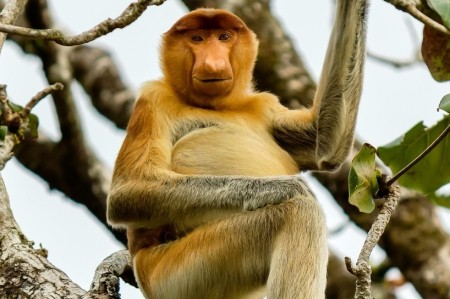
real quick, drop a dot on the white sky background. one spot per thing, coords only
(393, 101)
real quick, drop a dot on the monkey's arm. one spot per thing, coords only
(146, 193)
(323, 140)
(165, 199)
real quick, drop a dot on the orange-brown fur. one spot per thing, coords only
(205, 181)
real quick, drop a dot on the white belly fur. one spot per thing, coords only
(230, 150)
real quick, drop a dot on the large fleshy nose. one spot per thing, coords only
(213, 64)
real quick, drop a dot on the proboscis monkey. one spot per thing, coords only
(206, 180)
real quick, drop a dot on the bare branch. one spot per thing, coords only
(39, 96)
(415, 58)
(396, 62)
(362, 270)
(128, 16)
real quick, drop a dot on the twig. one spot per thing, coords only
(419, 157)
(362, 270)
(339, 228)
(397, 63)
(416, 40)
(417, 14)
(393, 62)
(128, 16)
(39, 96)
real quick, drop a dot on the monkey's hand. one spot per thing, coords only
(139, 238)
(272, 191)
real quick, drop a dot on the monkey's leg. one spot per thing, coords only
(300, 256)
(224, 259)
(234, 256)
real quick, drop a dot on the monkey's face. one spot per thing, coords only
(207, 56)
(212, 74)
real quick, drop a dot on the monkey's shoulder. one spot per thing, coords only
(156, 93)
(261, 102)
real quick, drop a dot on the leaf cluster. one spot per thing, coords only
(420, 157)
(14, 120)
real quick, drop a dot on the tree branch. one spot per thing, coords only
(397, 63)
(39, 96)
(9, 14)
(42, 279)
(362, 270)
(420, 10)
(99, 76)
(68, 165)
(17, 123)
(128, 16)
(26, 272)
(424, 260)
(420, 16)
(106, 280)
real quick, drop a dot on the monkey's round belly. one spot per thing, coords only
(230, 151)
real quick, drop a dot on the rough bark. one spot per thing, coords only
(24, 271)
(96, 71)
(10, 12)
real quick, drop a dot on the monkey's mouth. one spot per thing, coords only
(212, 80)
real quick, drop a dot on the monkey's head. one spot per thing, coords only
(208, 55)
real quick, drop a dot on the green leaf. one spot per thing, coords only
(441, 200)
(433, 171)
(445, 103)
(15, 107)
(436, 53)
(442, 7)
(3, 132)
(362, 179)
(33, 124)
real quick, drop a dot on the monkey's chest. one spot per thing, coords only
(230, 150)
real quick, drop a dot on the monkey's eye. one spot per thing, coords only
(225, 36)
(196, 38)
